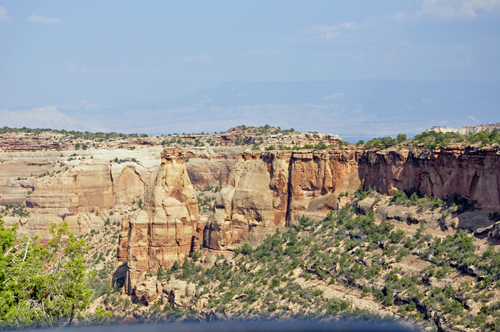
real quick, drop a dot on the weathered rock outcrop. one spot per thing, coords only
(177, 293)
(70, 184)
(469, 172)
(168, 228)
(268, 189)
(211, 166)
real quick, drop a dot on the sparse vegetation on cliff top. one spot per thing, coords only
(431, 140)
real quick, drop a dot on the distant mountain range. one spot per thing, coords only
(356, 109)
(41, 117)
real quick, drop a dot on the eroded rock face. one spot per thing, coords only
(82, 181)
(76, 190)
(210, 167)
(167, 229)
(269, 189)
(178, 293)
(317, 178)
(471, 173)
(265, 190)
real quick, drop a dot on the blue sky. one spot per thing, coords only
(90, 53)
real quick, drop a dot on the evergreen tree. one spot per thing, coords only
(42, 285)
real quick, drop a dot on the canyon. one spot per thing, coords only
(202, 203)
(266, 191)
(271, 189)
(72, 176)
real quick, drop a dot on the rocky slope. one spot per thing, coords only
(348, 264)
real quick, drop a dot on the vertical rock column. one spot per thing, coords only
(167, 230)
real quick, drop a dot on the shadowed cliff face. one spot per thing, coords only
(268, 189)
(472, 173)
(167, 229)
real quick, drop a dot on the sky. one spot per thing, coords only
(93, 54)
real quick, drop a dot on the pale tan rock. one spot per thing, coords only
(191, 289)
(495, 231)
(366, 205)
(167, 229)
(202, 302)
(176, 291)
(122, 251)
(130, 182)
(35, 225)
(146, 291)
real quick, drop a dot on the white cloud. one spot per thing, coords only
(335, 95)
(197, 58)
(327, 31)
(458, 8)
(43, 19)
(324, 31)
(400, 16)
(116, 70)
(409, 106)
(3, 15)
(348, 25)
(473, 118)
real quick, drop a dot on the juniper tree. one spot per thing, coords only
(42, 285)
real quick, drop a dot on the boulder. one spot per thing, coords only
(366, 205)
(179, 292)
(146, 291)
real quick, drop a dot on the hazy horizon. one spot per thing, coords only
(119, 66)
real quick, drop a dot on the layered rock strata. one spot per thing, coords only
(266, 190)
(211, 167)
(70, 185)
(169, 227)
(469, 172)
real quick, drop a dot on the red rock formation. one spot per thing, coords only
(122, 252)
(167, 230)
(267, 190)
(211, 167)
(472, 173)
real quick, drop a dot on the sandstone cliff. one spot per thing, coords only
(469, 172)
(210, 167)
(169, 227)
(57, 185)
(268, 189)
